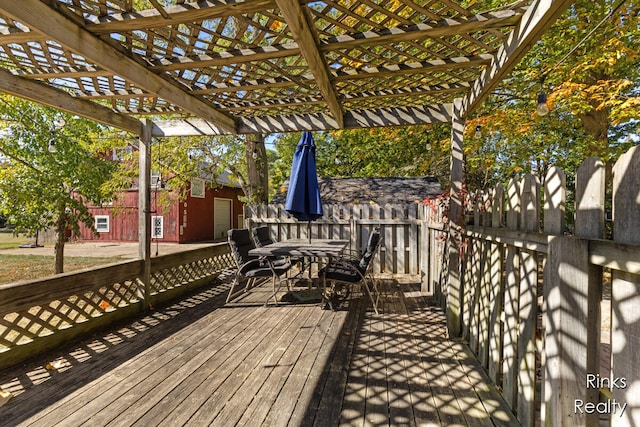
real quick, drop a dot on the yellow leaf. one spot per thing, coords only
(276, 26)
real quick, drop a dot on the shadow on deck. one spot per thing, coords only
(199, 362)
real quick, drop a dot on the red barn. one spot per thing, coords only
(205, 215)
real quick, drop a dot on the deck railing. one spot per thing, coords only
(39, 315)
(539, 305)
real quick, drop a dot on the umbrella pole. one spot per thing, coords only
(309, 231)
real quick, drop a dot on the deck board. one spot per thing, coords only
(201, 362)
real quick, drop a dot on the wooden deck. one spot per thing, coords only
(199, 362)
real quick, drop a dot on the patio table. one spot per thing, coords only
(308, 248)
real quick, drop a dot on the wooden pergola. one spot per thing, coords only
(262, 66)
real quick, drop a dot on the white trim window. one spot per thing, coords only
(157, 227)
(102, 223)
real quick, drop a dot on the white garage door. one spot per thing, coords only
(221, 217)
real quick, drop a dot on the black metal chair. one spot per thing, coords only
(251, 269)
(262, 237)
(345, 272)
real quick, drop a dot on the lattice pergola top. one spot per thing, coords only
(246, 66)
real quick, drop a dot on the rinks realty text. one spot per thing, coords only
(609, 406)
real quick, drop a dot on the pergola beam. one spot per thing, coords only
(539, 17)
(443, 28)
(55, 98)
(42, 18)
(112, 94)
(234, 56)
(401, 116)
(18, 36)
(63, 72)
(188, 12)
(413, 67)
(248, 85)
(296, 19)
(362, 96)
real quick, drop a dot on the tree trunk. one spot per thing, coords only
(263, 168)
(257, 169)
(596, 121)
(61, 230)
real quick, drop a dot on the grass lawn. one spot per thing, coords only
(14, 268)
(8, 240)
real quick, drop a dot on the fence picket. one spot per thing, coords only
(511, 296)
(485, 291)
(401, 247)
(528, 305)
(412, 217)
(625, 328)
(497, 288)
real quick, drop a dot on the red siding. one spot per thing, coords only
(188, 221)
(196, 218)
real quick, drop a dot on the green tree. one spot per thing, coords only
(52, 166)
(589, 68)
(180, 159)
(375, 152)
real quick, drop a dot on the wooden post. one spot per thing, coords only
(565, 317)
(456, 222)
(625, 299)
(564, 314)
(144, 209)
(590, 204)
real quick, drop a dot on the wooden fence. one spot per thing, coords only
(38, 315)
(533, 309)
(412, 236)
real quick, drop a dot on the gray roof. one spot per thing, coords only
(382, 191)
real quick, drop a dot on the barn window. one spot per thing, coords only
(157, 227)
(102, 223)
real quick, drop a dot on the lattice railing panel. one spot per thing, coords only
(183, 272)
(43, 309)
(42, 320)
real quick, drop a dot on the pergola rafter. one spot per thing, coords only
(265, 65)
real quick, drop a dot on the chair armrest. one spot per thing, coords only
(253, 263)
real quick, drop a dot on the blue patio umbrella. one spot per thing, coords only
(303, 196)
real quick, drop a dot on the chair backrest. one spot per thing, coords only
(372, 247)
(261, 236)
(240, 243)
